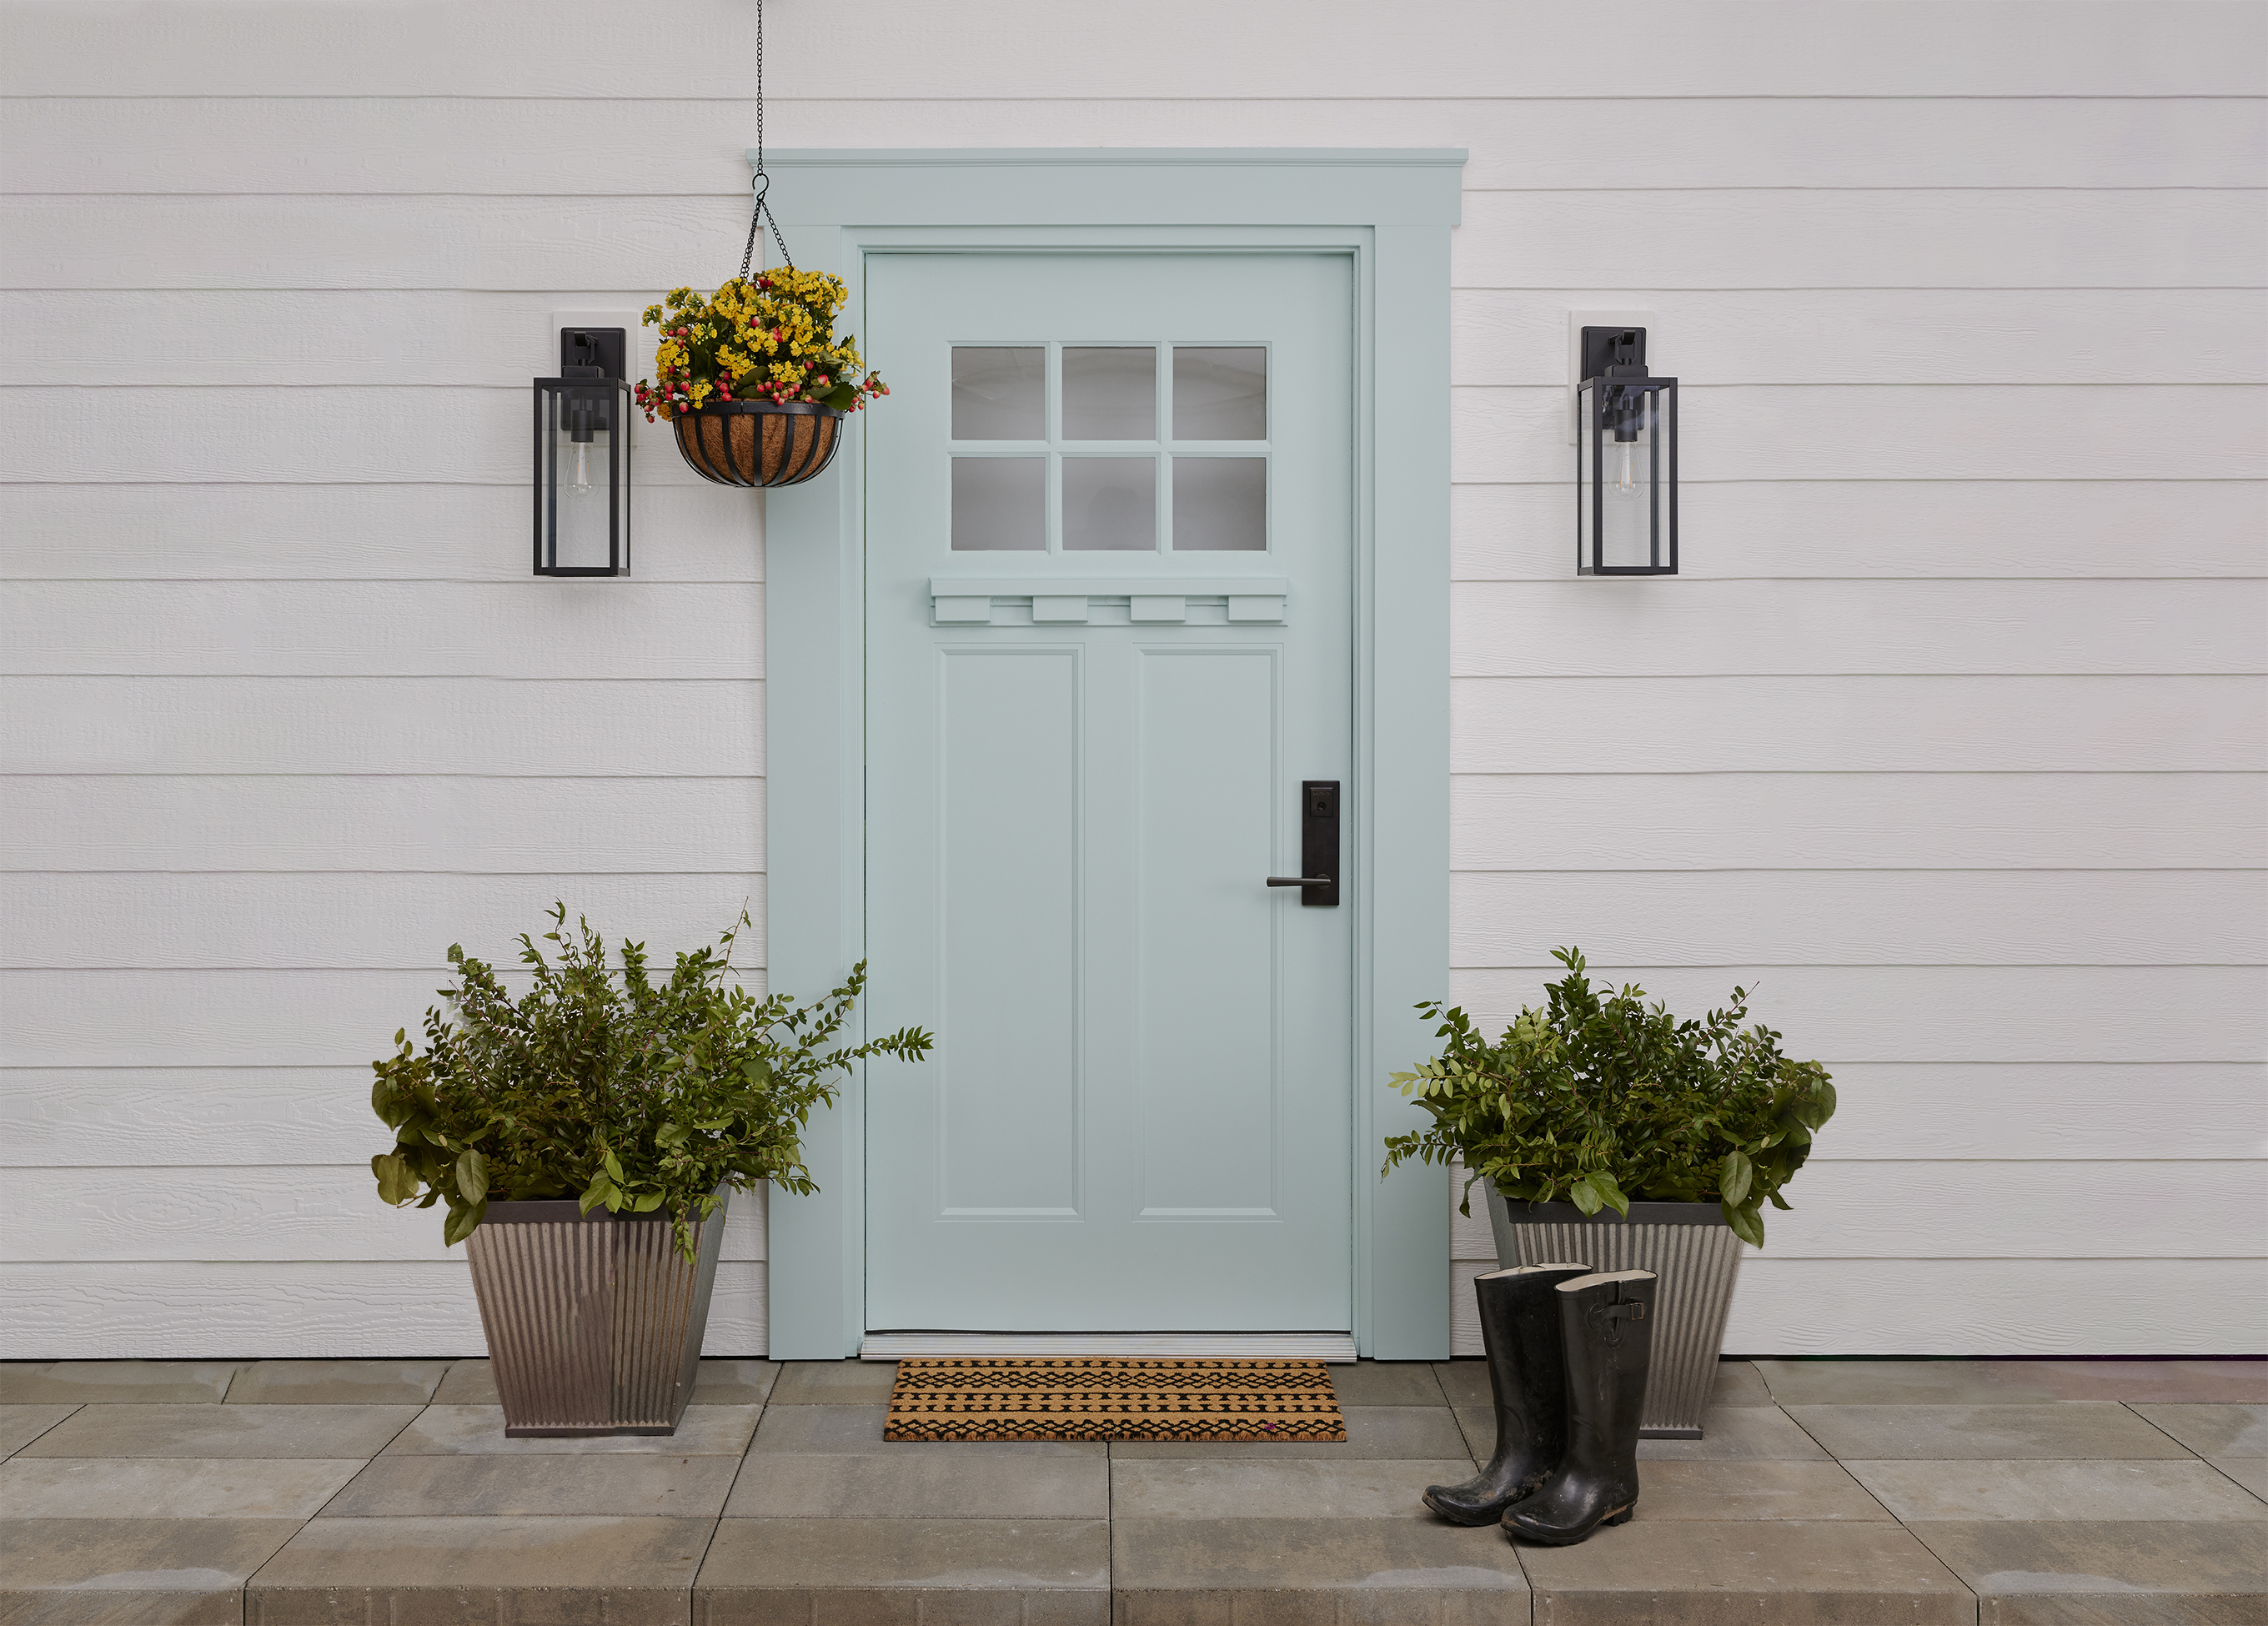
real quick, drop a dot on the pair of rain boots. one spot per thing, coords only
(1567, 1355)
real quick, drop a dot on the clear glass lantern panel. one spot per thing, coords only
(1110, 505)
(999, 392)
(1220, 393)
(999, 505)
(1110, 392)
(582, 476)
(1220, 504)
(1620, 473)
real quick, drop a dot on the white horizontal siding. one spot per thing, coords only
(497, 143)
(929, 51)
(1948, 740)
(470, 338)
(308, 1309)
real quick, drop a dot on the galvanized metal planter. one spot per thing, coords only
(594, 1322)
(1687, 1245)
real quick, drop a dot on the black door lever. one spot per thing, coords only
(1319, 846)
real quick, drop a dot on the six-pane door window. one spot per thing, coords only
(1072, 448)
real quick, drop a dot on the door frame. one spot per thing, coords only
(1390, 211)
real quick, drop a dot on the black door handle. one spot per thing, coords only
(1319, 846)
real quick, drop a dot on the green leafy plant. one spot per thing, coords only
(612, 1088)
(1599, 1099)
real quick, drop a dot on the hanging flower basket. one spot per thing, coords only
(758, 443)
(754, 381)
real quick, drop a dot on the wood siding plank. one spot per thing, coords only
(1863, 821)
(381, 725)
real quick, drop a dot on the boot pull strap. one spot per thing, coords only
(1617, 1311)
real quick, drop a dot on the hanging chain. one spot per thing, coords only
(760, 212)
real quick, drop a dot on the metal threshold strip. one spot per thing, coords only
(1338, 1347)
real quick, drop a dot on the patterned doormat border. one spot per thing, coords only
(1098, 1398)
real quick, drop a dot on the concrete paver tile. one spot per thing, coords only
(857, 1430)
(2088, 1429)
(445, 1571)
(722, 1382)
(645, 1486)
(919, 1481)
(133, 1571)
(1387, 1383)
(2047, 1489)
(1739, 1383)
(2212, 1430)
(115, 1382)
(1379, 1488)
(1728, 1433)
(20, 1425)
(951, 1571)
(1754, 1488)
(2227, 1382)
(1465, 1382)
(2036, 1573)
(460, 1431)
(835, 1383)
(335, 1383)
(1405, 1433)
(1755, 1573)
(140, 1430)
(2251, 1472)
(171, 1487)
(1313, 1572)
(1823, 1382)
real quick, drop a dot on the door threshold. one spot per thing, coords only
(1334, 1346)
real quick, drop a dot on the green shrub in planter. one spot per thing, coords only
(1599, 1099)
(611, 1088)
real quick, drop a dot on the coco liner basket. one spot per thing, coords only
(759, 443)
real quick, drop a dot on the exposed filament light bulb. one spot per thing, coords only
(582, 487)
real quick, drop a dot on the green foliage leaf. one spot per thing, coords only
(593, 1082)
(1747, 1224)
(1600, 1099)
(396, 1184)
(472, 1176)
(463, 1218)
(1733, 1185)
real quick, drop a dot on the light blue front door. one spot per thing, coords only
(1109, 634)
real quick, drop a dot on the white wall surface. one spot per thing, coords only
(1949, 741)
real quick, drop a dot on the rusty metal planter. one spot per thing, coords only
(594, 1322)
(758, 443)
(1687, 1245)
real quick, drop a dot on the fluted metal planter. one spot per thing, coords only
(758, 443)
(594, 1322)
(1687, 1245)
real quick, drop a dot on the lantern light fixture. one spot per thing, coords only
(1626, 460)
(583, 458)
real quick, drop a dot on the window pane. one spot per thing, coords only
(1110, 394)
(1000, 395)
(1110, 505)
(1220, 504)
(999, 505)
(1221, 395)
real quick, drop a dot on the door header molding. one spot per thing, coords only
(1118, 185)
(1390, 211)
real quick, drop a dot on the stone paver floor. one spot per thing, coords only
(326, 1493)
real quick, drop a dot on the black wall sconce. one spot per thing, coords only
(1626, 460)
(583, 458)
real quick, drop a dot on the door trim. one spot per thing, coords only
(1391, 211)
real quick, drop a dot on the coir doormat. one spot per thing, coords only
(1080, 1398)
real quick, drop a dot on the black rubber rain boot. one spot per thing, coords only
(1520, 1330)
(1606, 1324)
